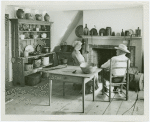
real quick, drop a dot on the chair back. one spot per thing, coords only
(119, 69)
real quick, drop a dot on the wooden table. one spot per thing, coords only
(65, 75)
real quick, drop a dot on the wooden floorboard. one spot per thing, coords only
(139, 108)
(127, 105)
(98, 106)
(34, 100)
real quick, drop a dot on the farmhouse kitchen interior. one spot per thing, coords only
(39, 41)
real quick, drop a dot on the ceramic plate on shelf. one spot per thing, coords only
(79, 31)
(29, 48)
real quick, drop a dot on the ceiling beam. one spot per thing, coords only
(75, 5)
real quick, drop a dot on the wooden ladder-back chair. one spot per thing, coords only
(124, 82)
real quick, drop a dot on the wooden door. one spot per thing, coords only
(6, 48)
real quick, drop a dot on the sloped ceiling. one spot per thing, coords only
(72, 25)
(75, 5)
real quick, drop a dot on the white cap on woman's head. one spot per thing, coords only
(77, 45)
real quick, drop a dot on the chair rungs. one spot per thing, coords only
(115, 92)
(106, 94)
(124, 93)
(119, 97)
(124, 87)
(106, 87)
(117, 83)
(119, 68)
(117, 76)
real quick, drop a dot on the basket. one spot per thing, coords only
(88, 68)
(33, 79)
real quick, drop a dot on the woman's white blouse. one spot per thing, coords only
(78, 58)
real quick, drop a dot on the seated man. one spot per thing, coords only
(120, 52)
(78, 59)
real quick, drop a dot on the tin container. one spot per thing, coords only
(45, 61)
(108, 31)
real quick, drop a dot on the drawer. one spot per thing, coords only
(65, 78)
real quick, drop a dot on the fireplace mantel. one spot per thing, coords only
(111, 41)
(110, 37)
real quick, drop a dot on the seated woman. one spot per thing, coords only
(78, 59)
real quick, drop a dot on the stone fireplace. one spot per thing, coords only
(98, 49)
(99, 54)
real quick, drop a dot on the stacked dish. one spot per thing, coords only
(29, 48)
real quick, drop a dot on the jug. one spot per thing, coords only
(138, 32)
(85, 30)
(28, 16)
(38, 17)
(46, 17)
(20, 13)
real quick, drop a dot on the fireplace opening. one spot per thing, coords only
(99, 54)
(104, 55)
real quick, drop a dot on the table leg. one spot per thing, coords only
(83, 94)
(63, 88)
(50, 91)
(94, 88)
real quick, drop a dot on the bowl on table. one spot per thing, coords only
(88, 68)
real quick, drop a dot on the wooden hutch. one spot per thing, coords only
(28, 28)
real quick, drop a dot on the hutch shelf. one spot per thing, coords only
(33, 37)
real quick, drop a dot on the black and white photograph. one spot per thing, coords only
(79, 60)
